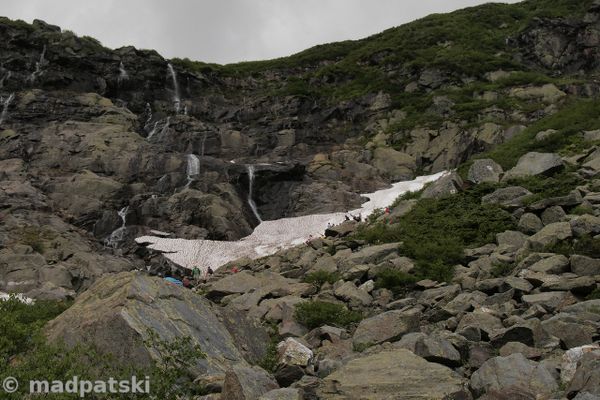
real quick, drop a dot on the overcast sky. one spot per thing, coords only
(226, 31)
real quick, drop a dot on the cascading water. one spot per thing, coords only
(148, 112)
(4, 78)
(202, 145)
(39, 65)
(123, 75)
(251, 202)
(165, 128)
(153, 131)
(117, 236)
(5, 104)
(193, 168)
(176, 96)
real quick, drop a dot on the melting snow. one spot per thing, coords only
(271, 236)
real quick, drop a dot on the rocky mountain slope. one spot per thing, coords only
(485, 283)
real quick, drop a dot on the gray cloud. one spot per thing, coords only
(227, 31)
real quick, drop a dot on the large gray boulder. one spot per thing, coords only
(550, 235)
(585, 225)
(587, 377)
(115, 314)
(432, 348)
(556, 264)
(393, 375)
(511, 196)
(384, 327)
(445, 186)
(372, 254)
(485, 170)
(582, 265)
(535, 163)
(394, 164)
(530, 223)
(514, 374)
(247, 383)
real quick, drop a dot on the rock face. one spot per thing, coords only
(535, 164)
(247, 383)
(392, 374)
(388, 326)
(485, 170)
(121, 308)
(513, 374)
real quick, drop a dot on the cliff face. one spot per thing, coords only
(87, 131)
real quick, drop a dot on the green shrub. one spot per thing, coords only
(26, 355)
(394, 280)
(500, 269)
(584, 245)
(543, 187)
(436, 231)
(314, 314)
(569, 122)
(378, 212)
(595, 295)
(582, 210)
(319, 278)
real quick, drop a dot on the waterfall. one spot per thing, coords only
(202, 145)
(38, 66)
(165, 127)
(176, 96)
(4, 78)
(6, 103)
(123, 75)
(153, 131)
(251, 202)
(192, 169)
(117, 236)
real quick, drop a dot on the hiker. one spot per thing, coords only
(196, 273)
(209, 271)
(234, 270)
(186, 282)
(387, 210)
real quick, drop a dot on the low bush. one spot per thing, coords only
(584, 245)
(319, 278)
(26, 355)
(314, 314)
(500, 269)
(595, 295)
(394, 280)
(436, 231)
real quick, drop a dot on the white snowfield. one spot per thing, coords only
(272, 236)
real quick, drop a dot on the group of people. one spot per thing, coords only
(187, 281)
(357, 218)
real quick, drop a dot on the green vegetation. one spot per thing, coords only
(314, 314)
(581, 210)
(501, 269)
(319, 278)
(584, 245)
(394, 280)
(595, 295)
(569, 122)
(408, 196)
(26, 355)
(543, 187)
(269, 361)
(436, 231)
